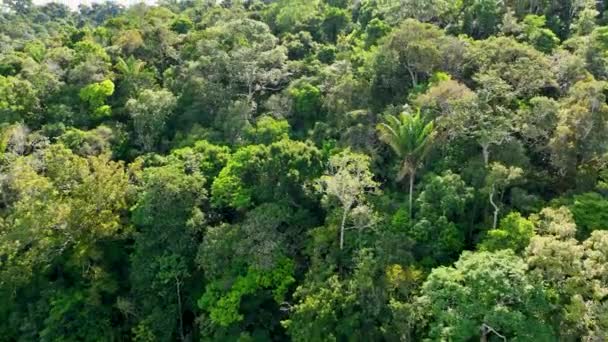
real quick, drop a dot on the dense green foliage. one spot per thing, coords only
(306, 170)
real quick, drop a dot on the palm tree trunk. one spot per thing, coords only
(411, 199)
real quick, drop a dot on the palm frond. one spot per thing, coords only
(410, 137)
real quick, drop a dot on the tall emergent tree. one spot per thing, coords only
(411, 138)
(349, 180)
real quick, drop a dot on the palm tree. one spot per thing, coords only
(130, 70)
(130, 67)
(410, 137)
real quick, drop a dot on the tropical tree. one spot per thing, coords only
(485, 288)
(499, 178)
(150, 111)
(168, 218)
(95, 96)
(513, 233)
(133, 75)
(410, 137)
(349, 180)
(439, 226)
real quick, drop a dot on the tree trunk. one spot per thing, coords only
(413, 76)
(342, 228)
(179, 307)
(486, 330)
(412, 177)
(484, 333)
(485, 150)
(496, 209)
